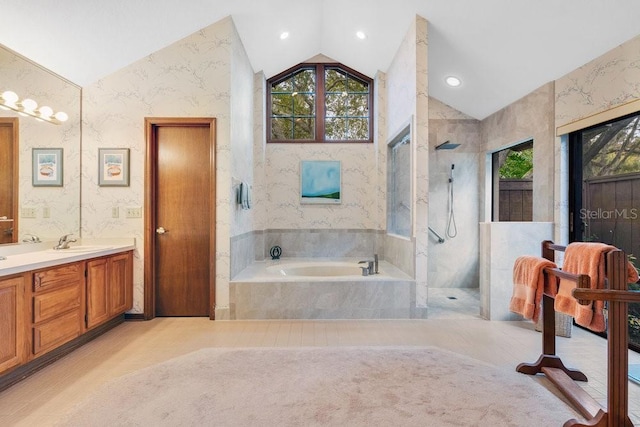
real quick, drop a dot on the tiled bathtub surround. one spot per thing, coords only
(258, 294)
(322, 242)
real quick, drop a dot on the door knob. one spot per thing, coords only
(161, 230)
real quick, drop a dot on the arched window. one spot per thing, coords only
(319, 103)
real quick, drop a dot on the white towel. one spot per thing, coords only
(245, 197)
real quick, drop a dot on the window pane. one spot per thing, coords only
(357, 86)
(283, 86)
(282, 105)
(358, 105)
(304, 105)
(305, 81)
(304, 128)
(335, 105)
(358, 129)
(335, 81)
(281, 128)
(606, 198)
(335, 129)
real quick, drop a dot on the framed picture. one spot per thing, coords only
(47, 167)
(113, 167)
(320, 182)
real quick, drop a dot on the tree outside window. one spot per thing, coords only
(320, 103)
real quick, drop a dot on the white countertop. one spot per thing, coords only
(32, 256)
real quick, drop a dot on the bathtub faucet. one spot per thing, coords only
(371, 268)
(375, 263)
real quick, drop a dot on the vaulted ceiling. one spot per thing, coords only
(500, 49)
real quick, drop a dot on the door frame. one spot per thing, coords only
(14, 123)
(150, 183)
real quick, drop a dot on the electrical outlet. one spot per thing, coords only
(135, 212)
(115, 212)
(46, 212)
(28, 212)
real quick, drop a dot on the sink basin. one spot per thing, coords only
(82, 248)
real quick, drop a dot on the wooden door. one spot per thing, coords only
(8, 180)
(182, 216)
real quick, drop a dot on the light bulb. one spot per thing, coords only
(10, 97)
(29, 105)
(61, 116)
(453, 81)
(45, 112)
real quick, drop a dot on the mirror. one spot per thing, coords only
(45, 211)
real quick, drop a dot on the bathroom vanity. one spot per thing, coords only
(52, 302)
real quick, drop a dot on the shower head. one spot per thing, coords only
(447, 145)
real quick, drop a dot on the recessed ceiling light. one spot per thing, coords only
(284, 35)
(453, 81)
(361, 35)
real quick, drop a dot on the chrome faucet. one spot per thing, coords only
(31, 238)
(375, 263)
(368, 269)
(64, 241)
(372, 266)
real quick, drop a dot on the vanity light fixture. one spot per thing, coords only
(453, 81)
(29, 107)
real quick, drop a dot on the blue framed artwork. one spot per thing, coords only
(320, 182)
(47, 167)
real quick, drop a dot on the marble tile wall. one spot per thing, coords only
(335, 243)
(531, 117)
(453, 263)
(30, 80)
(359, 299)
(500, 244)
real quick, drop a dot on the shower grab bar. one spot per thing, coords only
(440, 239)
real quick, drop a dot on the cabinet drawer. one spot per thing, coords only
(58, 276)
(50, 304)
(51, 334)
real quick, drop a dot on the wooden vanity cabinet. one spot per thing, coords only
(13, 316)
(49, 312)
(57, 315)
(109, 287)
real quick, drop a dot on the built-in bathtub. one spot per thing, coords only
(320, 288)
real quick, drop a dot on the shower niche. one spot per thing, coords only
(399, 218)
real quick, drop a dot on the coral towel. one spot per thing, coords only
(528, 285)
(586, 258)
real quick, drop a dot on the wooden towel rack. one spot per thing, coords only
(616, 414)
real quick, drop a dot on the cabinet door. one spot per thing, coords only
(120, 273)
(97, 292)
(12, 323)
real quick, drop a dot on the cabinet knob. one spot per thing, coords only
(161, 230)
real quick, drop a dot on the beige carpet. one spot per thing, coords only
(352, 386)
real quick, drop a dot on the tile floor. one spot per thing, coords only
(454, 325)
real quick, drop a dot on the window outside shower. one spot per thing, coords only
(605, 193)
(512, 180)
